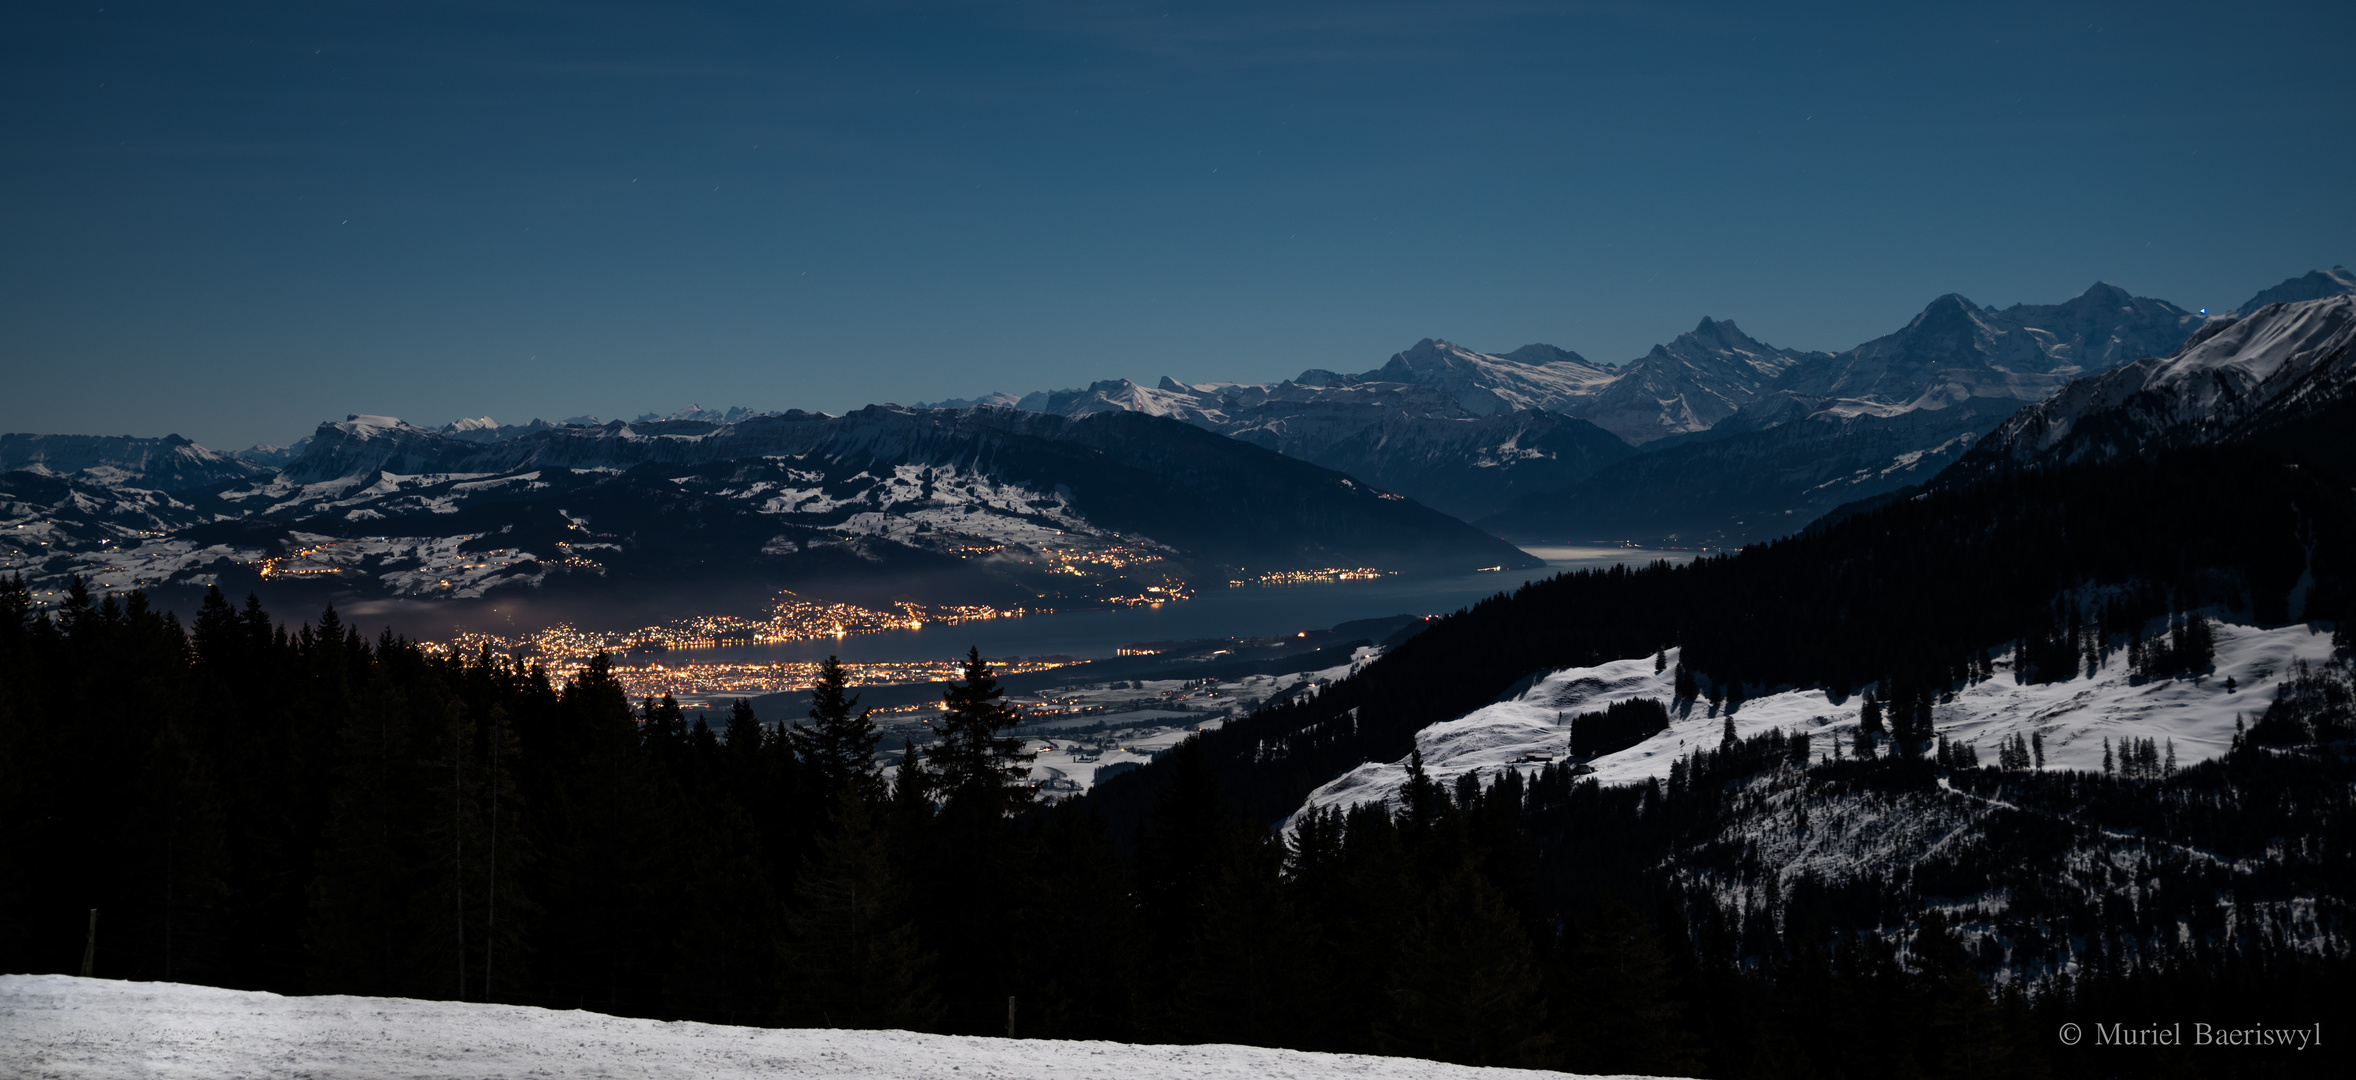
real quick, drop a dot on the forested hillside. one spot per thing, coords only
(1910, 596)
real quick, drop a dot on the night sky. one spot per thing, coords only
(232, 221)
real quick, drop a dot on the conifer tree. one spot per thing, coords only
(851, 957)
(664, 730)
(1421, 798)
(974, 767)
(837, 746)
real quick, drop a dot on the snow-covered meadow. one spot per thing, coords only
(55, 1026)
(2074, 716)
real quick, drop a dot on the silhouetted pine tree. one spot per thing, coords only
(837, 746)
(850, 956)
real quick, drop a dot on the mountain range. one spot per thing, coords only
(1713, 439)
(885, 504)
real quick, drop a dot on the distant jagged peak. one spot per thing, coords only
(2312, 285)
(1174, 386)
(1424, 354)
(2100, 299)
(1949, 310)
(995, 399)
(2101, 292)
(1539, 352)
(1720, 338)
(1723, 334)
(271, 455)
(730, 415)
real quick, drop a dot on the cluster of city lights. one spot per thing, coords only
(656, 679)
(565, 649)
(1299, 577)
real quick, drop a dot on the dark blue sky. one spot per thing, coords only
(234, 220)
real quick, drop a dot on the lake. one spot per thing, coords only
(1251, 611)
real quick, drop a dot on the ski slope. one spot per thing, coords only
(2074, 716)
(55, 1026)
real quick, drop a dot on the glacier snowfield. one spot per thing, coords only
(2074, 716)
(56, 1026)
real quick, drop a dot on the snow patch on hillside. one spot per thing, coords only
(2074, 716)
(64, 1027)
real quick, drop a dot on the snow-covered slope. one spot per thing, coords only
(2231, 373)
(2073, 717)
(66, 1028)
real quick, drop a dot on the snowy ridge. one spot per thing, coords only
(2228, 373)
(70, 1028)
(2073, 717)
(2312, 285)
(1531, 377)
(170, 463)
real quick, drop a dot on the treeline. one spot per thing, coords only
(306, 810)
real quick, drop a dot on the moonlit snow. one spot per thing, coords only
(62, 1027)
(2074, 716)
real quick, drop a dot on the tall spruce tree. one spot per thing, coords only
(837, 746)
(975, 769)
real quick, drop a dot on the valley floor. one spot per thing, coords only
(57, 1026)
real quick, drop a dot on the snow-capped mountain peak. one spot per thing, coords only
(1536, 377)
(2229, 374)
(364, 426)
(2312, 285)
(1690, 384)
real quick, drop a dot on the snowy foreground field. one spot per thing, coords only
(54, 1026)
